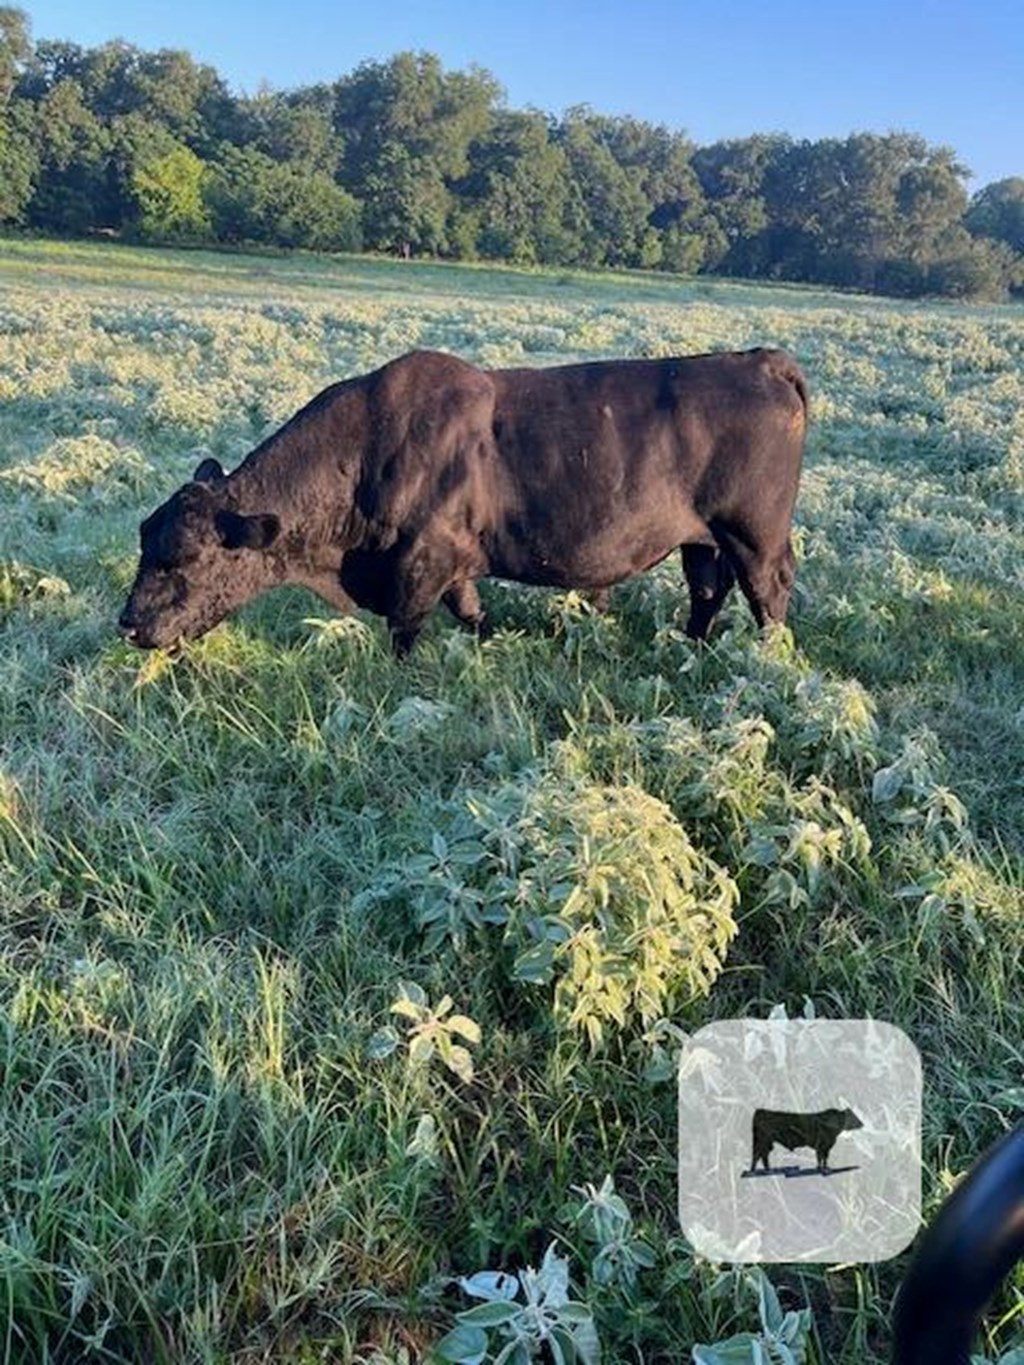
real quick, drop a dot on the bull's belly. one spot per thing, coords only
(594, 559)
(793, 1144)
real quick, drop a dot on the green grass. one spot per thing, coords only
(206, 890)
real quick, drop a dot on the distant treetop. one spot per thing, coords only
(405, 157)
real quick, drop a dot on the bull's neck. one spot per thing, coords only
(268, 479)
(298, 473)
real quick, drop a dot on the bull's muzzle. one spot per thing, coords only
(130, 629)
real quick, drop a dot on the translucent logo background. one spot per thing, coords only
(795, 1212)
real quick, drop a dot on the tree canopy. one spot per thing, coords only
(404, 156)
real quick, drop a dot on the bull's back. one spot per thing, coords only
(607, 467)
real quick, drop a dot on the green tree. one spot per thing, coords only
(107, 75)
(117, 79)
(997, 212)
(521, 186)
(406, 203)
(19, 160)
(136, 143)
(732, 176)
(253, 198)
(314, 212)
(15, 49)
(616, 228)
(931, 202)
(658, 161)
(168, 190)
(187, 97)
(72, 192)
(407, 127)
(295, 127)
(841, 210)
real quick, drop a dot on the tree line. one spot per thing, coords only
(402, 156)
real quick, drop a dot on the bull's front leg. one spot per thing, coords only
(328, 588)
(404, 634)
(463, 601)
(425, 572)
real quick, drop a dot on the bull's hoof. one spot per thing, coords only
(402, 642)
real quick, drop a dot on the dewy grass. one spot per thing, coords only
(216, 872)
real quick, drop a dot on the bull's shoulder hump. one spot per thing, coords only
(426, 380)
(428, 368)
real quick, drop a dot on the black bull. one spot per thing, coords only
(819, 1130)
(399, 489)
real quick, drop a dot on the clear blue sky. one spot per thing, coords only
(952, 70)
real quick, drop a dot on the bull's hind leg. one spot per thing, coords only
(765, 576)
(710, 576)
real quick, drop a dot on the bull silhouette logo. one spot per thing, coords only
(818, 1131)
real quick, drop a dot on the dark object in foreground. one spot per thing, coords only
(818, 1130)
(971, 1246)
(399, 489)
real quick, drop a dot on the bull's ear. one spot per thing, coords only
(209, 471)
(247, 533)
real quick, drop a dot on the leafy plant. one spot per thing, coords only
(597, 888)
(448, 895)
(910, 795)
(529, 1312)
(19, 582)
(782, 1339)
(431, 1032)
(578, 624)
(605, 1220)
(821, 835)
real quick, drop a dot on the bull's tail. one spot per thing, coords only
(789, 370)
(783, 366)
(795, 375)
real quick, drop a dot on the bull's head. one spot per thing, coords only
(200, 559)
(851, 1122)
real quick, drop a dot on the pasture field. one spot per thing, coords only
(218, 874)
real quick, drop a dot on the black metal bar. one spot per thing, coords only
(975, 1240)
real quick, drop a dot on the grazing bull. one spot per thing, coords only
(399, 489)
(791, 1131)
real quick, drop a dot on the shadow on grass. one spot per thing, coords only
(797, 1172)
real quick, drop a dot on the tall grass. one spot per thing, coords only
(216, 873)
